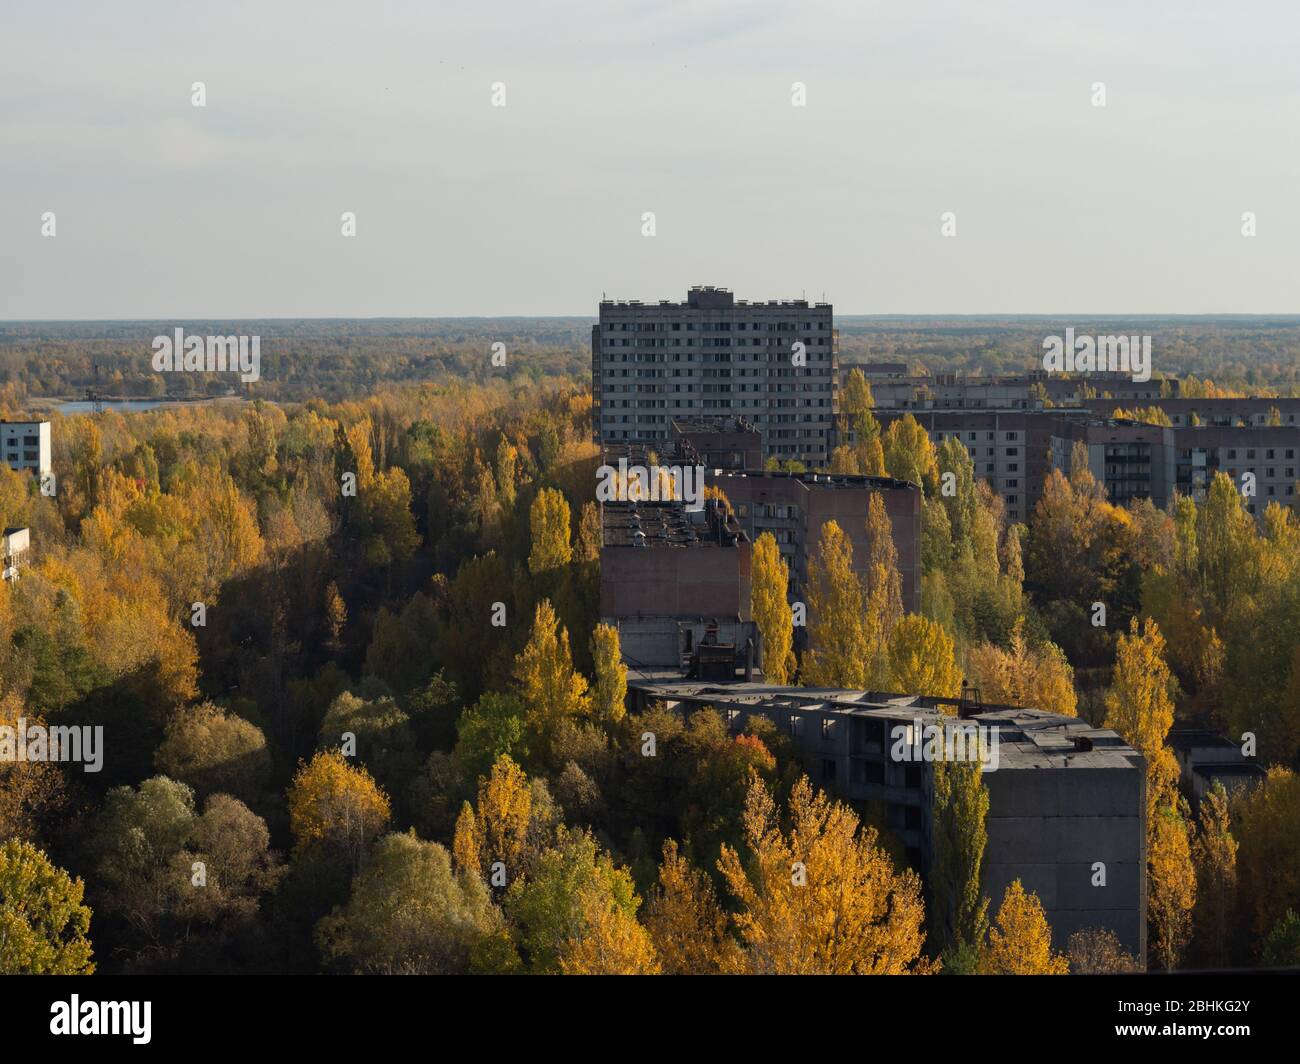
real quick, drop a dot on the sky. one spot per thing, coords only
(614, 109)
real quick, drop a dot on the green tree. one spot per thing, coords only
(410, 914)
(43, 925)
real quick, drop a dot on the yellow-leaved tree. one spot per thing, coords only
(549, 520)
(549, 687)
(921, 658)
(685, 921)
(334, 804)
(821, 898)
(609, 695)
(1020, 940)
(770, 608)
(840, 649)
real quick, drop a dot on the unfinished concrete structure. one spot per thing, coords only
(1067, 801)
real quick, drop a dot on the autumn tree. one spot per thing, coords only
(1038, 677)
(411, 914)
(335, 805)
(1268, 860)
(921, 658)
(549, 518)
(214, 750)
(576, 892)
(840, 648)
(1214, 857)
(822, 898)
(1171, 884)
(1020, 940)
(686, 924)
(43, 925)
(1098, 951)
(1140, 705)
(499, 836)
(609, 695)
(909, 454)
(770, 608)
(549, 687)
(336, 611)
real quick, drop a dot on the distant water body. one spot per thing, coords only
(85, 406)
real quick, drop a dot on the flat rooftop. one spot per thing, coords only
(667, 524)
(821, 481)
(1027, 738)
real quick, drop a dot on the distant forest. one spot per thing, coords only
(1252, 355)
(337, 359)
(302, 359)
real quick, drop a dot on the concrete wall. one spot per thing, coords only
(1048, 828)
(708, 581)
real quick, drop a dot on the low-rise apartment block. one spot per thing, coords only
(1067, 801)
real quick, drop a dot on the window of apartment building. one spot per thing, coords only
(1013, 484)
(828, 728)
(1013, 499)
(733, 720)
(796, 726)
(1250, 453)
(1012, 452)
(828, 770)
(1232, 453)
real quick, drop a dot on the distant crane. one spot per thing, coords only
(93, 397)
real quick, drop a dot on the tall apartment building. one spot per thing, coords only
(775, 364)
(1063, 796)
(26, 446)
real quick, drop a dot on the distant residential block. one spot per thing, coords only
(26, 446)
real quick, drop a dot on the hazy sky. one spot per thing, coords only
(613, 109)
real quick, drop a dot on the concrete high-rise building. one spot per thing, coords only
(774, 364)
